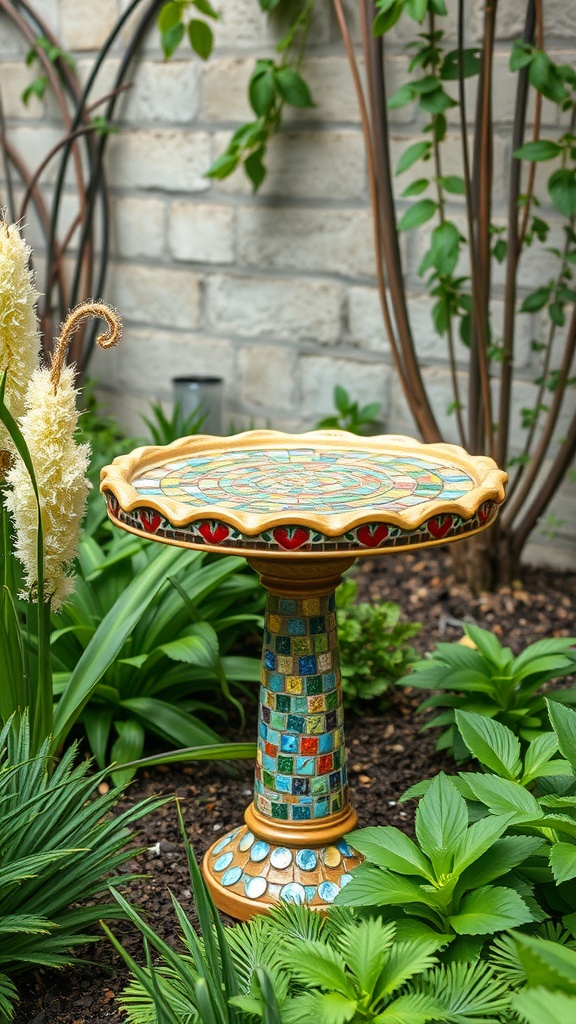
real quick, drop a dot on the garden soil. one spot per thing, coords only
(387, 752)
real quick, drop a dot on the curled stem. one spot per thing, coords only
(73, 321)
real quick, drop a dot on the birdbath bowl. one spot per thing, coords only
(301, 508)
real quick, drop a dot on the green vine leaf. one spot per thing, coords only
(562, 190)
(417, 214)
(201, 38)
(540, 150)
(293, 88)
(417, 151)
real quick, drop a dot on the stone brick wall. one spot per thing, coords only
(275, 293)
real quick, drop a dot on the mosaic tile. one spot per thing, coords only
(325, 743)
(317, 624)
(309, 745)
(283, 702)
(294, 684)
(313, 685)
(287, 605)
(311, 605)
(280, 811)
(289, 744)
(302, 645)
(285, 764)
(283, 645)
(299, 704)
(296, 627)
(317, 703)
(284, 664)
(300, 813)
(305, 765)
(307, 666)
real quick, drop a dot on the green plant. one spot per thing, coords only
(488, 680)
(350, 415)
(549, 995)
(59, 844)
(176, 655)
(163, 429)
(373, 644)
(293, 966)
(445, 878)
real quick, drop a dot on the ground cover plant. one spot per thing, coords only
(485, 677)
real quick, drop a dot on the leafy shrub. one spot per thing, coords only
(58, 845)
(349, 415)
(488, 680)
(374, 649)
(549, 996)
(445, 878)
(295, 966)
(174, 663)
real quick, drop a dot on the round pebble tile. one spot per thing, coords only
(310, 891)
(256, 887)
(307, 860)
(331, 856)
(328, 891)
(345, 849)
(232, 876)
(224, 861)
(220, 846)
(344, 879)
(281, 858)
(246, 842)
(293, 892)
(259, 851)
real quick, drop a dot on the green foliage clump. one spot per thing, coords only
(350, 415)
(58, 845)
(488, 680)
(374, 648)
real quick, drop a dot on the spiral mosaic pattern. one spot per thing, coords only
(304, 480)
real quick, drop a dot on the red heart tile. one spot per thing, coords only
(485, 511)
(291, 538)
(371, 535)
(213, 533)
(440, 528)
(150, 520)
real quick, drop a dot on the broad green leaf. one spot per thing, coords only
(489, 646)
(201, 38)
(490, 909)
(172, 38)
(200, 647)
(255, 168)
(478, 838)
(456, 63)
(454, 184)
(292, 88)
(441, 821)
(388, 847)
(563, 721)
(205, 752)
(505, 854)
(538, 754)
(417, 214)
(491, 743)
(563, 861)
(169, 15)
(541, 149)
(535, 301)
(414, 152)
(262, 91)
(206, 8)
(373, 887)
(562, 190)
(416, 188)
(385, 19)
(128, 747)
(504, 797)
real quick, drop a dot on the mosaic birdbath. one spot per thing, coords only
(301, 509)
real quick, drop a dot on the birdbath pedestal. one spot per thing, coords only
(300, 508)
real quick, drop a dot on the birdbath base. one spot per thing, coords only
(291, 847)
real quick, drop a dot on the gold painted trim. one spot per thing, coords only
(118, 477)
(301, 835)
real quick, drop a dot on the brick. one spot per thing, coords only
(138, 227)
(156, 295)
(14, 79)
(267, 377)
(160, 159)
(201, 232)
(86, 26)
(242, 25)
(321, 240)
(262, 307)
(147, 360)
(504, 84)
(164, 92)
(364, 381)
(33, 143)
(306, 165)
(560, 16)
(225, 89)
(365, 323)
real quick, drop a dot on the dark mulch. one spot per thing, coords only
(386, 754)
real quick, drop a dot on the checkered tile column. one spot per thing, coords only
(301, 770)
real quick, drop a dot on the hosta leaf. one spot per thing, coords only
(491, 743)
(539, 752)
(441, 821)
(563, 861)
(506, 854)
(504, 797)
(373, 887)
(478, 839)
(490, 909)
(388, 847)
